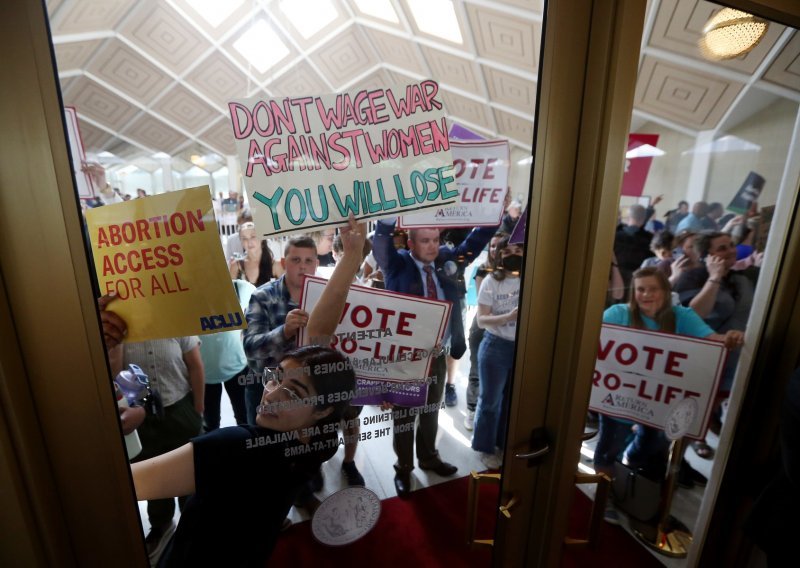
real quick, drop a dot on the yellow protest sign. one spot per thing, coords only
(162, 257)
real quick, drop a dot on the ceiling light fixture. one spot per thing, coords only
(213, 11)
(261, 46)
(309, 16)
(731, 33)
(437, 18)
(381, 9)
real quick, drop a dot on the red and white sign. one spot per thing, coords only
(641, 149)
(83, 180)
(644, 375)
(386, 335)
(481, 172)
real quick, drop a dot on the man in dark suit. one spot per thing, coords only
(427, 269)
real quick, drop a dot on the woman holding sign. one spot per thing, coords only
(243, 479)
(497, 315)
(650, 307)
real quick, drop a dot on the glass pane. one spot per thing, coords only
(710, 173)
(150, 84)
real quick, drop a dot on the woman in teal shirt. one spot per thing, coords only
(650, 307)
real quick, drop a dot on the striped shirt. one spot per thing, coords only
(162, 361)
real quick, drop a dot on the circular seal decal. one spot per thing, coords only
(680, 418)
(346, 516)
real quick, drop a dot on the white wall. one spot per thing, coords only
(772, 130)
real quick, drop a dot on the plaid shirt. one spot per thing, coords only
(264, 342)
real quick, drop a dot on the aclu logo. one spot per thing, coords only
(221, 321)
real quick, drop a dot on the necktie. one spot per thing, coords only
(430, 285)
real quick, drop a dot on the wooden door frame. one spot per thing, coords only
(65, 474)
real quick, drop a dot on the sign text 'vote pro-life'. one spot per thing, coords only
(481, 172)
(387, 336)
(642, 375)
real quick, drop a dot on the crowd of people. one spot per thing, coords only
(183, 444)
(685, 281)
(695, 275)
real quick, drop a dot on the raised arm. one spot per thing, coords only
(168, 475)
(325, 316)
(383, 250)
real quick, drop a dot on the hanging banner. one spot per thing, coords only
(641, 149)
(389, 339)
(645, 376)
(161, 257)
(311, 161)
(481, 172)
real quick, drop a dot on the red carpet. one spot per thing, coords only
(428, 530)
(615, 547)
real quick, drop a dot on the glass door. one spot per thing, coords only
(745, 109)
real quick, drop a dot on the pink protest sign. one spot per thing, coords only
(310, 161)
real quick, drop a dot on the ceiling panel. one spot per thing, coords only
(508, 40)
(696, 100)
(79, 16)
(154, 134)
(94, 139)
(98, 103)
(458, 72)
(514, 127)
(300, 80)
(165, 35)
(218, 79)
(511, 90)
(785, 71)
(345, 56)
(75, 56)
(376, 80)
(126, 70)
(469, 110)
(183, 108)
(396, 50)
(220, 137)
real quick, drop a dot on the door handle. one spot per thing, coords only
(506, 509)
(538, 447)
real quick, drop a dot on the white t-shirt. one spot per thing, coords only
(502, 296)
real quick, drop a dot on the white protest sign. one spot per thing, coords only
(386, 335)
(481, 172)
(83, 180)
(645, 375)
(310, 161)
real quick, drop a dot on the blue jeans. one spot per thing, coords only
(645, 448)
(495, 360)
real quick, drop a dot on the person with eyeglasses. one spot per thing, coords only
(225, 521)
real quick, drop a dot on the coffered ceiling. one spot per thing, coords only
(154, 76)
